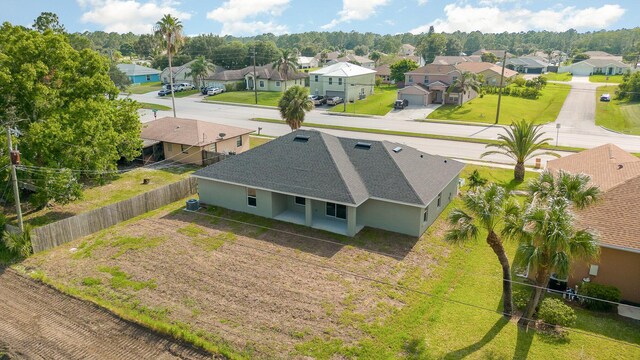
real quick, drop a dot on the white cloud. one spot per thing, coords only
(492, 19)
(422, 2)
(390, 22)
(355, 10)
(233, 15)
(128, 15)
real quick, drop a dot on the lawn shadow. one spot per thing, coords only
(298, 237)
(490, 335)
(415, 349)
(608, 324)
(523, 342)
(49, 217)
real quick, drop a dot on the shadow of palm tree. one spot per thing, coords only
(523, 343)
(490, 335)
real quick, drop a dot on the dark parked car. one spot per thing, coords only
(318, 99)
(164, 92)
(334, 100)
(401, 104)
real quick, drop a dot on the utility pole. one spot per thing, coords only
(344, 106)
(14, 157)
(255, 77)
(504, 62)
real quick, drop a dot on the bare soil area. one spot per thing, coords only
(250, 291)
(37, 322)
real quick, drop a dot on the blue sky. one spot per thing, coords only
(251, 17)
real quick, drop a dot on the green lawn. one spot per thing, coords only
(380, 103)
(255, 141)
(267, 98)
(483, 110)
(615, 79)
(558, 77)
(618, 115)
(181, 94)
(145, 88)
(500, 176)
(150, 106)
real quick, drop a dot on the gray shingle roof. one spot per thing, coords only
(133, 69)
(334, 169)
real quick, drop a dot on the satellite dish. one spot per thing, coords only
(222, 135)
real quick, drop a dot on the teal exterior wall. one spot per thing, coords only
(394, 217)
(141, 79)
(448, 194)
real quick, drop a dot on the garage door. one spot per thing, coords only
(413, 99)
(334, 94)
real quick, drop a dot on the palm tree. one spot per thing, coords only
(375, 56)
(293, 104)
(200, 68)
(170, 29)
(287, 61)
(521, 143)
(324, 55)
(476, 180)
(573, 187)
(466, 82)
(487, 207)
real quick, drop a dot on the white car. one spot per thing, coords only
(215, 91)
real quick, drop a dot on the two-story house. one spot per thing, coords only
(345, 80)
(430, 84)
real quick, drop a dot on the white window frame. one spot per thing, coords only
(184, 148)
(335, 211)
(339, 81)
(315, 78)
(425, 214)
(213, 147)
(261, 83)
(239, 141)
(253, 196)
(330, 81)
(277, 83)
(439, 201)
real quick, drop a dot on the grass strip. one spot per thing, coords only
(150, 106)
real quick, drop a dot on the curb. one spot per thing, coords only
(239, 104)
(349, 115)
(464, 123)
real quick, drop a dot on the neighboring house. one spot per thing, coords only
(383, 72)
(335, 184)
(429, 84)
(528, 64)
(354, 59)
(617, 174)
(407, 49)
(557, 56)
(183, 73)
(453, 60)
(415, 58)
(139, 74)
(596, 66)
(490, 72)
(602, 55)
(330, 56)
(306, 62)
(498, 53)
(191, 141)
(343, 79)
(266, 78)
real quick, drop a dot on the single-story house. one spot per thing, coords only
(528, 65)
(139, 74)
(498, 53)
(266, 78)
(596, 66)
(307, 62)
(453, 60)
(602, 55)
(343, 79)
(191, 141)
(617, 174)
(335, 184)
(383, 72)
(429, 85)
(332, 55)
(354, 59)
(490, 72)
(415, 58)
(182, 73)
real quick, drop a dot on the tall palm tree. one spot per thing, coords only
(523, 141)
(573, 187)
(293, 104)
(170, 29)
(287, 61)
(465, 83)
(487, 207)
(375, 56)
(324, 55)
(200, 68)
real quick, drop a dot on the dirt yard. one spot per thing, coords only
(37, 322)
(245, 290)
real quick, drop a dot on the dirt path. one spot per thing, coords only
(37, 322)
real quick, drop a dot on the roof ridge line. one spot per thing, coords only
(340, 172)
(400, 170)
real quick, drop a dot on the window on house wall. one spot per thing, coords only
(455, 78)
(277, 83)
(184, 148)
(425, 215)
(426, 79)
(262, 83)
(300, 200)
(252, 200)
(336, 210)
(450, 197)
(439, 199)
(148, 77)
(239, 141)
(213, 147)
(315, 78)
(410, 78)
(169, 147)
(339, 81)
(330, 81)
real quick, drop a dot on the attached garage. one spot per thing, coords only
(331, 94)
(415, 95)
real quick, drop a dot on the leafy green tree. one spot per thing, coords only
(120, 79)
(375, 56)
(266, 52)
(489, 57)
(127, 49)
(293, 105)
(202, 45)
(361, 50)
(523, 141)
(580, 57)
(630, 87)
(286, 63)
(80, 42)
(430, 46)
(67, 105)
(453, 47)
(232, 55)
(324, 56)
(476, 180)
(200, 68)
(546, 231)
(146, 46)
(48, 21)
(486, 208)
(169, 29)
(400, 68)
(465, 83)
(473, 42)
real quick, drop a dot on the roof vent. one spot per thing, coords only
(301, 138)
(397, 149)
(620, 166)
(363, 145)
(222, 135)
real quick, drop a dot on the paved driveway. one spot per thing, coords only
(579, 109)
(411, 112)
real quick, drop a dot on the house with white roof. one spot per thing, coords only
(307, 62)
(342, 79)
(596, 66)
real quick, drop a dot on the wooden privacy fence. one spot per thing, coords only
(63, 231)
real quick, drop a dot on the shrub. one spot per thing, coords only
(555, 312)
(599, 291)
(18, 243)
(520, 297)
(520, 81)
